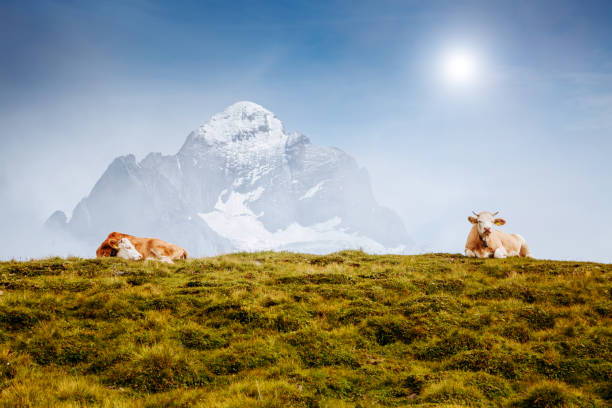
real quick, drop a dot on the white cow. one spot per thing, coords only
(485, 242)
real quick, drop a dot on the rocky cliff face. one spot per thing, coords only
(241, 182)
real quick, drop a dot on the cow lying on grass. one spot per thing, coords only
(148, 248)
(485, 242)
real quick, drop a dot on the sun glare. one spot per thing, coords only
(459, 67)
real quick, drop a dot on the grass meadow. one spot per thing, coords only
(282, 329)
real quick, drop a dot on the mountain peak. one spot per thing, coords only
(247, 108)
(242, 121)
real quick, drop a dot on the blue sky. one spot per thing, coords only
(84, 82)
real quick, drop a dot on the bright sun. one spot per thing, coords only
(459, 67)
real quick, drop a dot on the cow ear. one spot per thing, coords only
(113, 243)
(499, 221)
(473, 220)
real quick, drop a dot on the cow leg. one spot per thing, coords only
(470, 253)
(500, 252)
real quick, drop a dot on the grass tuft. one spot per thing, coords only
(159, 368)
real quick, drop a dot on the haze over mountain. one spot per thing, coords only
(240, 182)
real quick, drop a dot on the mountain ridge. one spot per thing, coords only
(241, 182)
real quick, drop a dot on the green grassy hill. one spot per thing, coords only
(281, 329)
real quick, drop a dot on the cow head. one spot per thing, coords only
(485, 221)
(110, 245)
(126, 250)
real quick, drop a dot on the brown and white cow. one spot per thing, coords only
(484, 242)
(149, 248)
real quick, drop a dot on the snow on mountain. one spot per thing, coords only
(311, 192)
(244, 122)
(241, 182)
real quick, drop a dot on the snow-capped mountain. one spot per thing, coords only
(240, 182)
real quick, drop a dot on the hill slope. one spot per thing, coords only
(282, 329)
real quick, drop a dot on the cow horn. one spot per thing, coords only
(474, 212)
(495, 213)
